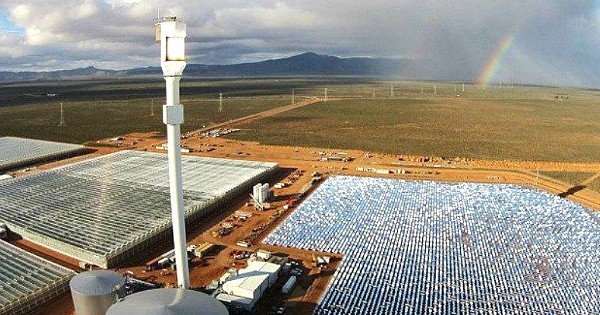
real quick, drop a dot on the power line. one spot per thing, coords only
(62, 115)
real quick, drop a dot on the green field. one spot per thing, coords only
(573, 178)
(101, 109)
(594, 185)
(85, 121)
(537, 128)
(399, 117)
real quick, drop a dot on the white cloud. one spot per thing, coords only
(10, 46)
(554, 41)
(20, 12)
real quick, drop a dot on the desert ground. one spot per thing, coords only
(541, 138)
(305, 161)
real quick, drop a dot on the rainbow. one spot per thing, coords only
(492, 65)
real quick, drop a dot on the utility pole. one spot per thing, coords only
(293, 97)
(152, 107)
(220, 102)
(392, 91)
(325, 94)
(435, 90)
(463, 87)
(62, 115)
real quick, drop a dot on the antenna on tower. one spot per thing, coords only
(62, 115)
(220, 102)
(158, 14)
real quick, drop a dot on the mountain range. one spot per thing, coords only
(306, 64)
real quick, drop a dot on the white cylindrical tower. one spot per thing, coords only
(171, 33)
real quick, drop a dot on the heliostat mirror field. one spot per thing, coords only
(420, 247)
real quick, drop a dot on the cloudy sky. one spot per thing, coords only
(531, 41)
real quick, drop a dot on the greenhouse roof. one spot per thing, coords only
(27, 280)
(16, 152)
(101, 207)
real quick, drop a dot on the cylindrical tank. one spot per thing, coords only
(168, 302)
(95, 291)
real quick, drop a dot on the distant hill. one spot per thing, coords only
(83, 73)
(307, 64)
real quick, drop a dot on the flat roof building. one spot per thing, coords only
(235, 301)
(251, 282)
(104, 210)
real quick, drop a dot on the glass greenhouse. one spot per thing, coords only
(27, 281)
(104, 210)
(17, 152)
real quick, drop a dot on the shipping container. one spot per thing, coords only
(263, 254)
(289, 285)
(244, 244)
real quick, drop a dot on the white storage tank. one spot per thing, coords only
(168, 302)
(256, 192)
(264, 192)
(95, 291)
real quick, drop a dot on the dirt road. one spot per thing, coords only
(257, 116)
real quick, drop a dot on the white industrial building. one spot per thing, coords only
(104, 210)
(253, 281)
(261, 192)
(18, 152)
(235, 301)
(27, 281)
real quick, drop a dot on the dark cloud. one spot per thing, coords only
(553, 42)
